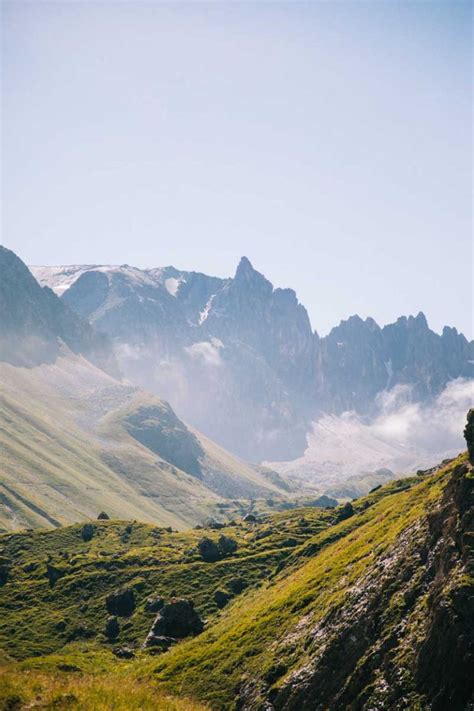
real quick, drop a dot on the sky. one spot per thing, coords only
(329, 142)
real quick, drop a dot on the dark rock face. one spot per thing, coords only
(121, 602)
(176, 619)
(103, 516)
(34, 321)
(469, 434)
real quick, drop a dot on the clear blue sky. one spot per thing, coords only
(329, 142)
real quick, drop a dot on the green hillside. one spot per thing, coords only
(69, 450)
(369, 606)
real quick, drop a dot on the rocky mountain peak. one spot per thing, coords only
(244, 266)
(247, 276)
(420, 320)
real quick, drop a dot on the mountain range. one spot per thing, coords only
(76, 438)
(239, 360)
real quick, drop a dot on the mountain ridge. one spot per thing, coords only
(252, 349)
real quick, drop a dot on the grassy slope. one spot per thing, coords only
(150, 559)
(298, 565)
(246, 642)
(66, 456)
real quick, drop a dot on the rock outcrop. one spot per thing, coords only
(469, 434)
(175, 620)
(121, 602)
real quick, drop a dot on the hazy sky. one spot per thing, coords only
(329, 142)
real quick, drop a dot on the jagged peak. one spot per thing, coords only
(245, 269)
(357, 321)
(247, 274)
(421, 320)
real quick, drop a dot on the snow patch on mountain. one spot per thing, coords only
(205, 312)
(60, 278)
(172, 285)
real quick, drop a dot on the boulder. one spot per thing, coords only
(345, 512)
(54, 573)
(4, 571)
(158, 642)
(87, 532)
(112, 627)
(121, 602)
(123, 652)
(175, 620)
(103, 516)
(211, 551)
(250, 518)
(221, 598)
(227, 546)
(208, 550)
(237, 585)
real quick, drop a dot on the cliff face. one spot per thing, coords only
(405, 635)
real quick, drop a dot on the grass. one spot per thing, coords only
(21, 689)
(36, 619)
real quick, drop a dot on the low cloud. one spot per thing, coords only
(436, 427)
(207, 352)
(403, 437)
